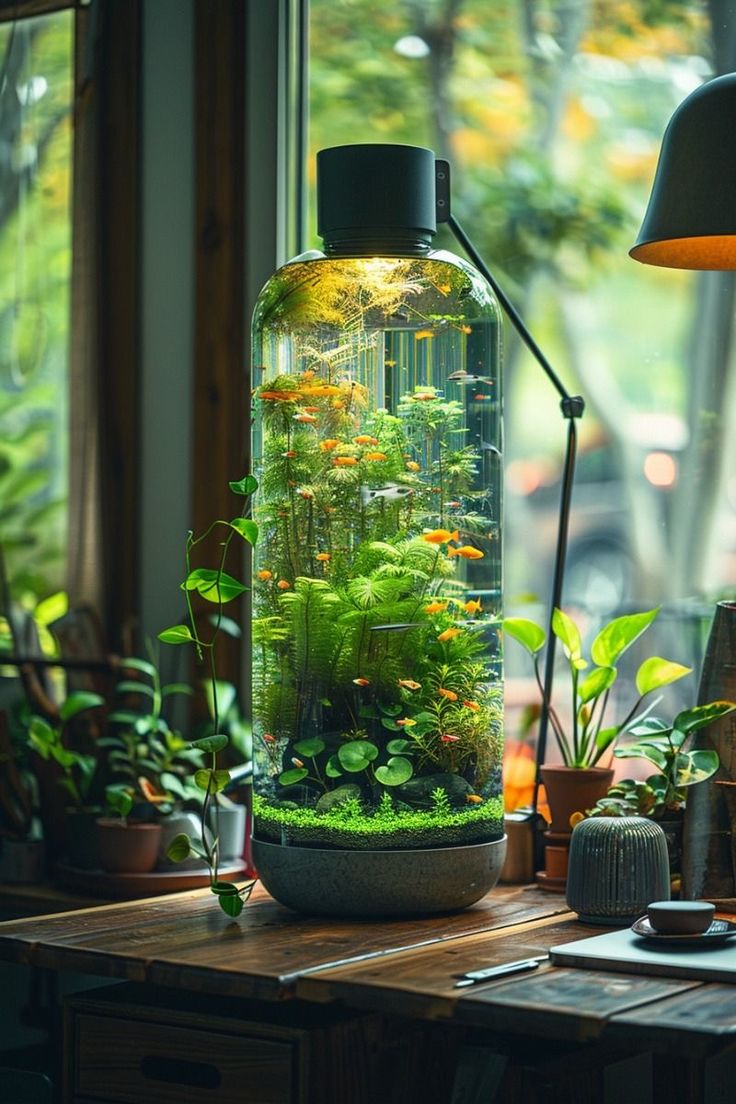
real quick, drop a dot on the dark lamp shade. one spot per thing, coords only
(691, 217)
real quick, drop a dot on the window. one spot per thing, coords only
(36, 96)
(552, 116)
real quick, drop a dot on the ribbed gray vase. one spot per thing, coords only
(618, 865)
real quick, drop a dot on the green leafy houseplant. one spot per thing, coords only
(50, 741)
(591, 680)
(213, 585)
(146, 759)
(677, 769)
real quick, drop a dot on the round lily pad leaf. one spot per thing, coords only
(356, 755)
(311, 747)
(399, 747)
(396, 771)
(333, 768)
(289, 777)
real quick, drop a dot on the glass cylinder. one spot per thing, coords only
(377, 666)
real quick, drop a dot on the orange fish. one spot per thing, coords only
(473, 606)
(304, 492)
(420, 335)
(364, 439)
(375, 456)
(449, 694)
(322, 390)
(283, 585)
(406, 722)
(481, 398)
(473, 799)
(440, 536)
(323, 557)
(409, 684)
(269, 739)
(465, 329)
(412, 466)
(423, 396)
(344, 461)
(297, 762)
(289, 455)
(466, 551)
(308, 419)
(448, 738)
(329, 444)
(279, 396)
(362, 682)
(436, 607)
(472, 705)
(312, 409)
(448, 634)
(264, 576)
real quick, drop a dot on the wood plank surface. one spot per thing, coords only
(554, 1003)
(702, 1020)
(184, 941)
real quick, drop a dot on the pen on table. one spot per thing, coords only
(474, 977)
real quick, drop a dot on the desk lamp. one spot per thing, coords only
(690, 223)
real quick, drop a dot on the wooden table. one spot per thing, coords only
(556, 1029)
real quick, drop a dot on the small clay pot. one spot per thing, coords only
(126, 848)
(681, 917)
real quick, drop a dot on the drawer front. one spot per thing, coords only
(139, 1062)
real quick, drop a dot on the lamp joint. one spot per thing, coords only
(572, 406)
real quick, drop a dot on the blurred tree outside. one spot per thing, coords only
(36, 88)
(552, 116)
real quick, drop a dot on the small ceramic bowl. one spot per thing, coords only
(681, 917)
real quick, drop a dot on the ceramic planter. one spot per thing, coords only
(127, 848)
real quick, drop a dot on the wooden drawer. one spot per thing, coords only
(142, 1062)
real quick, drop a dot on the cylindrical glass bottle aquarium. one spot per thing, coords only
(377, 665)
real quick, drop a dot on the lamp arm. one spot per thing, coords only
(572, 407)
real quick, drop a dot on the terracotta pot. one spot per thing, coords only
(572, 790)
(127, 848)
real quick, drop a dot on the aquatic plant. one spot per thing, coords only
(376, 663)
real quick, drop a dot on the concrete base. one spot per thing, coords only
(378, 883)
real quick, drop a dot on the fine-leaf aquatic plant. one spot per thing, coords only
(588, 736)
(217, 586)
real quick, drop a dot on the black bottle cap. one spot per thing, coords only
(374, 195)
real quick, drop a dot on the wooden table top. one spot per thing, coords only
(400, 967)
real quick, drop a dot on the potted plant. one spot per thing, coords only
(662, 796)
(589, 736)
(150, 767)
(77, 774)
